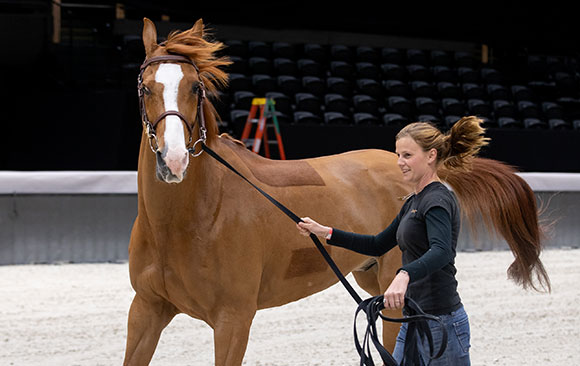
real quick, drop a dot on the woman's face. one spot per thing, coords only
(414, 162)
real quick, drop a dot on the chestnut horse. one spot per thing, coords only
(207, 244)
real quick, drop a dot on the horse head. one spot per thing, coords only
(173, 82)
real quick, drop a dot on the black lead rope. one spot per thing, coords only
(416, 318)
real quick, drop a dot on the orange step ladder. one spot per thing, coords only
(267, 111)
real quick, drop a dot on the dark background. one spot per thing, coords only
(73, 106)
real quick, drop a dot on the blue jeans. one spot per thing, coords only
(458, 341)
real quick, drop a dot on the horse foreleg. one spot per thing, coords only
(146, 321)
(231, 333)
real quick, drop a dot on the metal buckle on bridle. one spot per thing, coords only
(202, 138)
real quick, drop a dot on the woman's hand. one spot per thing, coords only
(311, 226)
(395, 294)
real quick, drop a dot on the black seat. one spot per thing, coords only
(367, 54)
(315, 51)
(367, 70)
(304, 117)
(558, 124)
(337, 103)
(336, 118)
(467, 75)
(341, 52)
(534, 123)
(394, 119)
(369, 87)
(418, 72)
(282, 102)
(479, 107)
(552, 110)
(314, 85)
(288, 84)
(260, 65)
(490, 75)
(362, 118)
(508, 122)
(283, 50)
(238, 118)
(450, 120)
(285, 66)
(429, 118)
(393, 72)
(263, 83)
(366, 104)
(497, 91)
(259, 49)
(452, 107)
(392, 55)
(443, 73)
(338, 85)
(342, 69)
(307, 102)
(417, 57)
(401, 105)
(448, 90)
(239, 65)
(309, 67)
(423, 89)
(544, 90)
(239, 82)
(503, 108)
(426, 105)
(527, 109)
(473, 91)
(464, 59)
(440, 58)
(397, 88)
(243, 99)
(566, 83)
(521, 92)
(235, 47)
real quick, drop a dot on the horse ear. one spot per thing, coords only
(149, 36)
(197, 28)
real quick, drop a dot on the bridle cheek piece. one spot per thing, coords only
(151, 126)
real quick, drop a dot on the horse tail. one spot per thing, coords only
(507, 205)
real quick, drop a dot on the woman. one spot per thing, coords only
(426, 231)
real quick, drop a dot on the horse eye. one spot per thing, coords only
(195, 87)
(146, 90)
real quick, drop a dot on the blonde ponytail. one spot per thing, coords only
(462, 143)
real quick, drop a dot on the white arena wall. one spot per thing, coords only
(77, 216)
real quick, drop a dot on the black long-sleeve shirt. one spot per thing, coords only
(426, 230)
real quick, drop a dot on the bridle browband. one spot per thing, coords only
(151, 126)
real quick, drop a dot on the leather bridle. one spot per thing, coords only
(150, 127)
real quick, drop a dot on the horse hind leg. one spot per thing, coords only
(146, 321)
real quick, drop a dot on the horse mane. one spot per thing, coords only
(197, 45)
(493, 192)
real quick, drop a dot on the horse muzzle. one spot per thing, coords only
(172, 166)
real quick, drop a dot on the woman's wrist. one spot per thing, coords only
(328, 233)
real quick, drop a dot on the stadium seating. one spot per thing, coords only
(338, 84)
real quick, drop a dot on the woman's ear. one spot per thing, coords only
(432, 155)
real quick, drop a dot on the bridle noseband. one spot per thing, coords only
(151, 126)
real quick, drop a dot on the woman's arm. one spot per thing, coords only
(372, 245)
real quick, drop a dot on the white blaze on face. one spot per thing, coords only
(176, 156)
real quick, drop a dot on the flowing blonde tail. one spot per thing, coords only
(507, 204)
